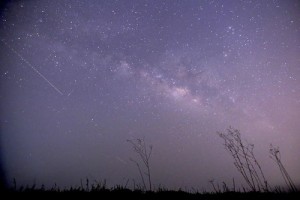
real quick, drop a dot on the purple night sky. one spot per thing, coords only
(79, 78)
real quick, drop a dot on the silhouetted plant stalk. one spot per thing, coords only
(216, 189)
(244, 160)
(275, 155)
(144, 152)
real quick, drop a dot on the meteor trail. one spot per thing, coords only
(32, 67)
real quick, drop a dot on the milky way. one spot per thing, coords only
(80, 78)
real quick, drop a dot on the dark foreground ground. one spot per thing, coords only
(129, 194)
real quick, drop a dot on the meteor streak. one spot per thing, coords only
(32, 67)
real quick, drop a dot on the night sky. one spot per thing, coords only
(79, 78)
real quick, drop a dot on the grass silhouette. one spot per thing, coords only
(100, 190)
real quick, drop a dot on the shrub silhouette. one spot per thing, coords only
(244, 159)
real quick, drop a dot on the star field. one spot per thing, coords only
(80, 78)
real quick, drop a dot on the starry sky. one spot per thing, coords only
(79, 78)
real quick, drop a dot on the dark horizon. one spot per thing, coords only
(78, 79)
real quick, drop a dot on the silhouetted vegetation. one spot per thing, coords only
(245, 162)
(101, 190)
(275, 155)
(144, 152)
